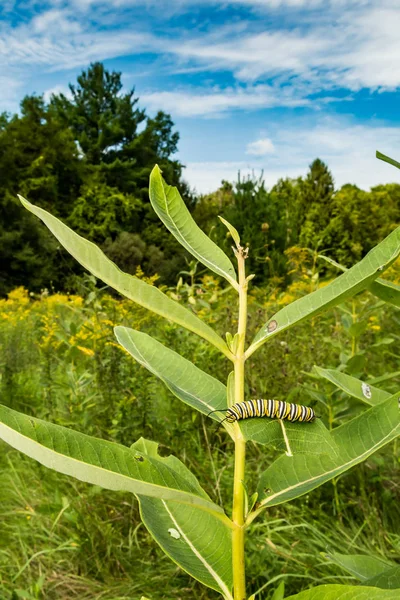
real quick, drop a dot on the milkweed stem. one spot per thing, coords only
(238, 511)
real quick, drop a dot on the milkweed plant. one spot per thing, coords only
(192, 529)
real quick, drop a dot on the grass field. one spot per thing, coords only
(62, 539)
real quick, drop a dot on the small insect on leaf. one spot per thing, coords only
(366, 390)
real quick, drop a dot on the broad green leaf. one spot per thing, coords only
(150, 449)
(362, 566)
(387, 159)
(388, 580)
(345, 592)
(354, 387)
(383, 289)
(346, 285)
(95, 261)
(173, 212)
(310, 438)
(351, 443)
(197, 541)
(102, 463)
(205, 393)
(189, 383)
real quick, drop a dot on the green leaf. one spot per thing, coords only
(232, 230)
(362, 566)
(386, 291)
(350, 444)
(352, 386)
(345, 592)
(346, 285)
(197, 541)
(95, 261)
(312, 438)
(279, 593)
(189, 383)
(230, 391)
(383, 289)
(102, 463)
(173, 212)
(205, 393)
(384, 377)
(387, 159)
(388, 580)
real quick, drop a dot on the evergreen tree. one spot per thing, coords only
(114, 134)
(38, 159)
(315, 204)
(87, 159)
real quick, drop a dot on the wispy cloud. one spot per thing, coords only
(55, 21)
(354, 45)
(215, 102)
(57, 52)
(358, 46)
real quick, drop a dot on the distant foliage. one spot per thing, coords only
(86, 157)
(300, 213)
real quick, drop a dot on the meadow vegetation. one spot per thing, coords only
(65, 539)
(86, 158)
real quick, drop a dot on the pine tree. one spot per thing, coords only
(315, 204)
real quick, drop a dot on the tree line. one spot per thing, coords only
(86, 157)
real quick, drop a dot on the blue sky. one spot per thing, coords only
(263, 85)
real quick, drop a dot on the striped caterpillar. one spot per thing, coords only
(274, 409)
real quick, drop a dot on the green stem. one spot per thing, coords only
(238, 510)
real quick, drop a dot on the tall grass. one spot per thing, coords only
(61, 539)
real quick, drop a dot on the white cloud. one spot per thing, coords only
(215, 101)
(58, 50)
(348, 150)
(260, 147)
(250, 56)
(353, 44)
(57, 89)
(58, 20)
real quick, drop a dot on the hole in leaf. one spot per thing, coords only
(174, 533)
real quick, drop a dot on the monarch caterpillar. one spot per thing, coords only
(274, 409)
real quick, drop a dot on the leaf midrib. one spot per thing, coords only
(215, 267)
(185, 495)
(344, 466)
